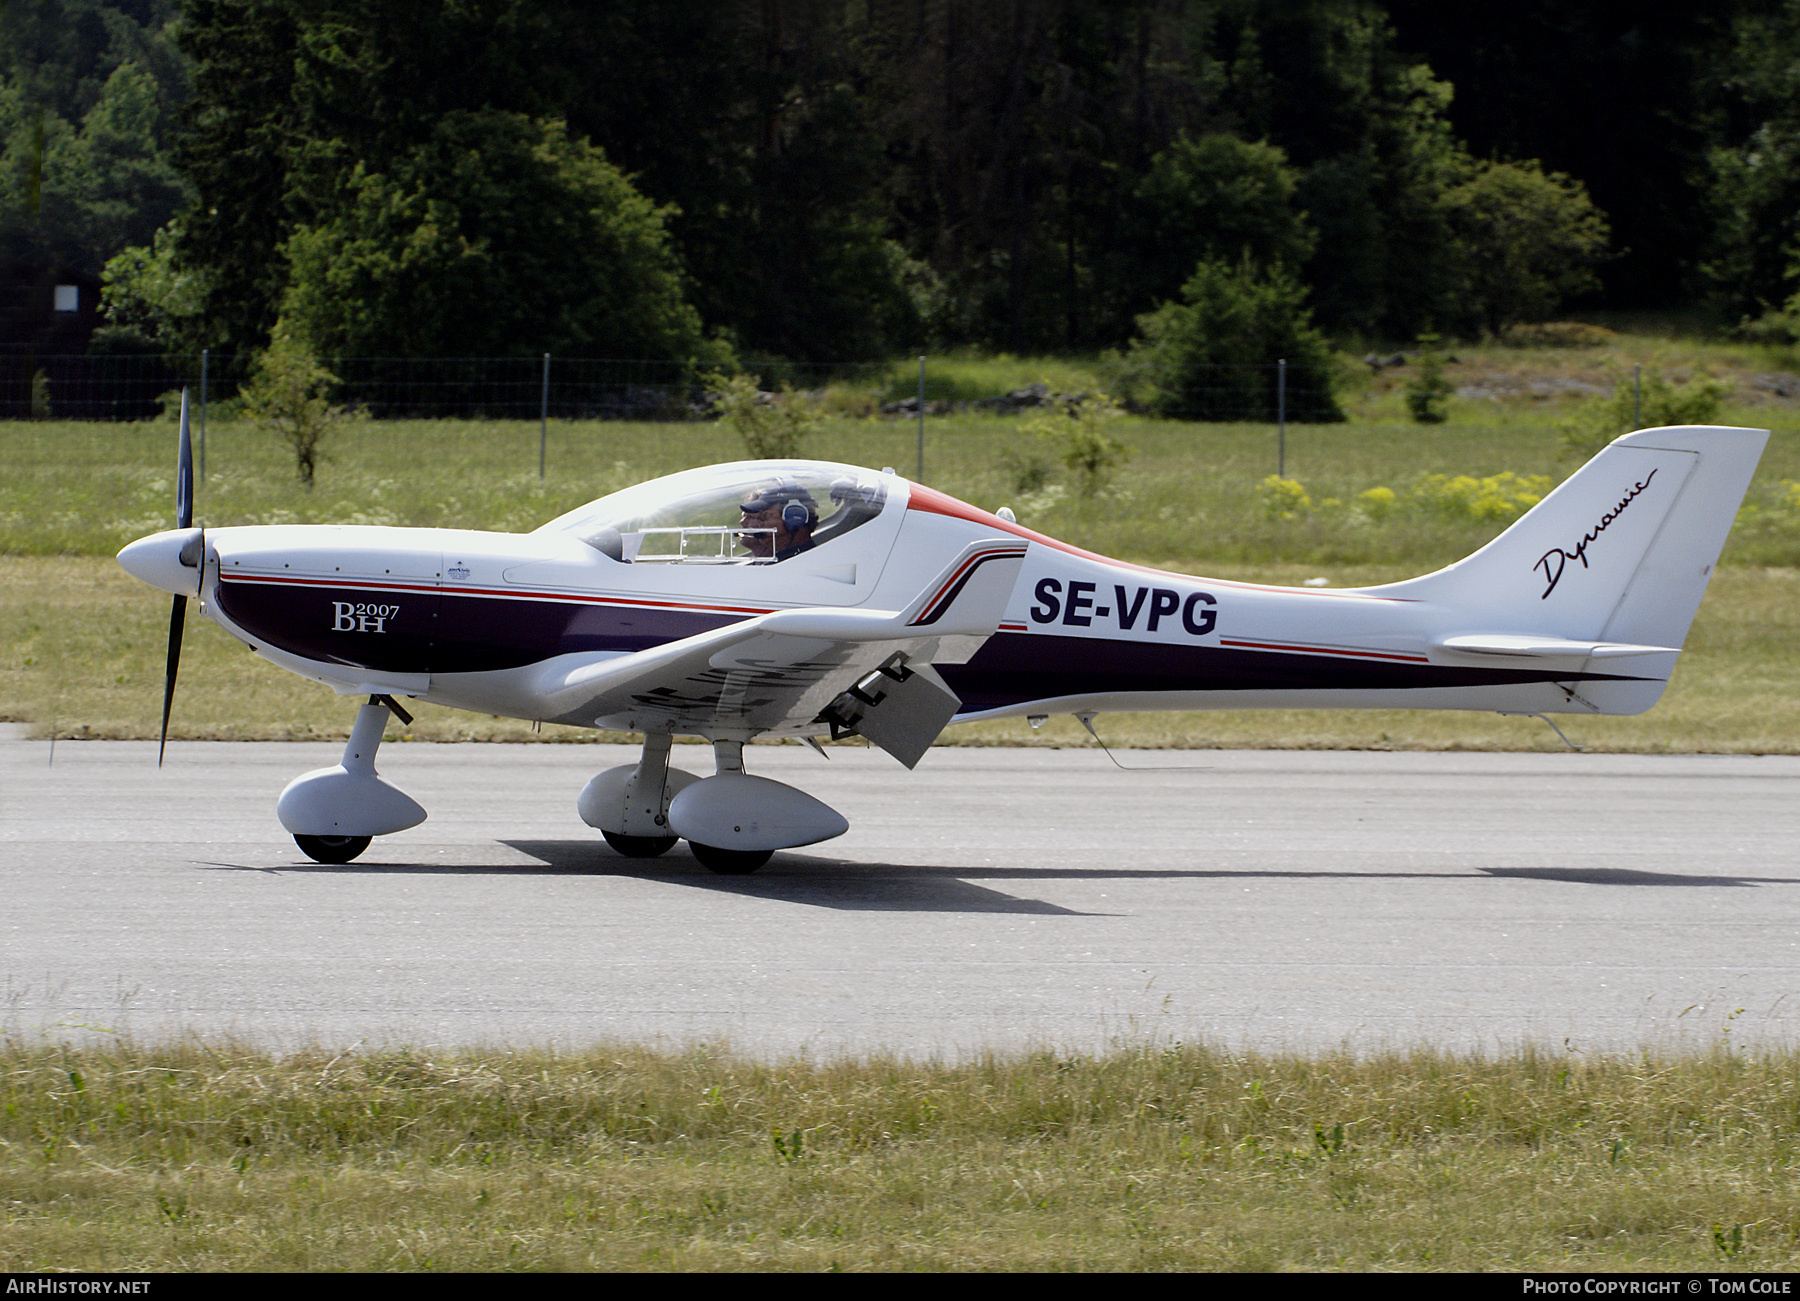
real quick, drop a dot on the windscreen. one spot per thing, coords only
(731, 514)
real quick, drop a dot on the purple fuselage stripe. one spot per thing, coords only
(1014, 669)
(433, 632)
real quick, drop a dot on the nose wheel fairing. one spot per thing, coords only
(332, 813)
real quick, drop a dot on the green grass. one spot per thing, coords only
(81, 644)
(971, 377)
(1189, 496)
(213, 1157)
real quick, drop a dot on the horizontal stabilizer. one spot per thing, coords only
(1560, 648)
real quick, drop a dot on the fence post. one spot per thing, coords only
(1281, 418)
(544, 416)
(205, 356)
(920, 477)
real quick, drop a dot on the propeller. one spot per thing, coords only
(184, 519)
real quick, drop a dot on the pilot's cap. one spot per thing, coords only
(779, 495)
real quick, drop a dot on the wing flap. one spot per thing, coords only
(899, 708)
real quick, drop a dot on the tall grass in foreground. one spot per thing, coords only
(216, 1157)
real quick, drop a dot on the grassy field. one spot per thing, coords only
(84, 644)
(211, 1157)
(81, 645)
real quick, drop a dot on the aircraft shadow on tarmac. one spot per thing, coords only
(792, 868)
(792, 878)
(808, 879)
(1632, 876)
(911, 887)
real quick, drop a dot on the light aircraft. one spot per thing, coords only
(811, 600)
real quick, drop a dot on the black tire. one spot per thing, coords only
(640, 846)
(729, 862)
(332, 849)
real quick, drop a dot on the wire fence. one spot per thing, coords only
(136, 387)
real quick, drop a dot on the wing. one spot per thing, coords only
(804, 672)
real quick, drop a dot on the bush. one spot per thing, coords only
(1558, 334)
(1773, 329)
(1495, 499)
(1206, 196)
(1528, 240)
(500, 236)
(1453, 499)
(1090, 453)
(151, 305)
(1428, 390)
(1663, 403)
(1283, 499)
(1378, 503)
(1213, 356)
(772, 425)
(287, 396)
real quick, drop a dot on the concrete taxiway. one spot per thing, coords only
(991, 899)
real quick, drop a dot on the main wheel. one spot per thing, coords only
(332, 849)
(729, 862)
(639, 846)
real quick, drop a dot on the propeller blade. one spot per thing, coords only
(184, 518)
(177, 617)
(184, 472)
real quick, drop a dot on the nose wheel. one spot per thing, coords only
(332, 849)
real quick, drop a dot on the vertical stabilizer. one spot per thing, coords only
(1617, 556)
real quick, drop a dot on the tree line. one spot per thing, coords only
(834, 179)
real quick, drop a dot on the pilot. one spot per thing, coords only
(786, 508)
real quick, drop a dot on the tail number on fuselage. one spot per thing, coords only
(1079, 607)
(361, 616)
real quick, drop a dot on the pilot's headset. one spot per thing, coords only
(796, 509)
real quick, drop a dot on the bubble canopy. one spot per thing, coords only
(699, 516)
